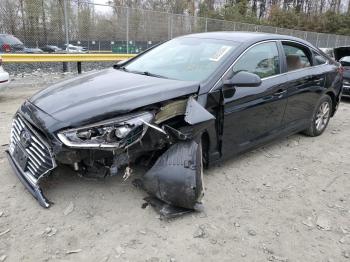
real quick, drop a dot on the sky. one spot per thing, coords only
(101, 9)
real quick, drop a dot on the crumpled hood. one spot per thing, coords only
(106, 93)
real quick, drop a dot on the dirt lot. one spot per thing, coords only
(289, 201)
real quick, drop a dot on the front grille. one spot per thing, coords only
(29, 150)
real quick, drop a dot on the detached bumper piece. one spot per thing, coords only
(30, 157)
(177, 178)
(27, 181)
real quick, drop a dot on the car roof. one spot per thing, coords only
(246, 37)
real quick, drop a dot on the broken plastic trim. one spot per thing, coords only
(165, 210)
(33, 188)
(196, 113)
(172, 109)
(177, 176)
(193, 111)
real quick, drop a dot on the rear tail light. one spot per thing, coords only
(6, 48)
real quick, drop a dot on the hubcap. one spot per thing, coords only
(322, 116)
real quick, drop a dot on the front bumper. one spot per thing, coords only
(32, 187)
(30, 157)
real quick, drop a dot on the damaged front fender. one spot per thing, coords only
(177, 176)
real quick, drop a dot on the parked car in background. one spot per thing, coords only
(10, 44)
(342, 55)
(187, 102)
(34, 50)
(328, 51)
(340, 52)
(51, 48)
(337, 53)
(4, 76)
(345, 62)
(75, 49)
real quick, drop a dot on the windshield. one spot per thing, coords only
(191, 59)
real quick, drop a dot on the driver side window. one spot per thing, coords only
(262, 60)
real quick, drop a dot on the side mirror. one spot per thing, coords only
(243, 79)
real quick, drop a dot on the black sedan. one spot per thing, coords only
(176, 107)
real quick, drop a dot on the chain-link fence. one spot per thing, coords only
(108, 28)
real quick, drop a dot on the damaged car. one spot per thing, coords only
(179, 106)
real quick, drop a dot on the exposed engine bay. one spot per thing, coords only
(167, 137)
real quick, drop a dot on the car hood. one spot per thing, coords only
(107, 93)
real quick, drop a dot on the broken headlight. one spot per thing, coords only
(120, 132)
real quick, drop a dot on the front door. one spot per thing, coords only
(255, 114)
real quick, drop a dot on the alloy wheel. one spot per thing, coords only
(322, 116)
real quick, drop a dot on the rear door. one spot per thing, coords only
(254, 114)
(305, 84)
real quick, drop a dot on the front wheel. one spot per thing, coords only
(320, 117)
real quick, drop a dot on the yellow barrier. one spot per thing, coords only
(34, 58)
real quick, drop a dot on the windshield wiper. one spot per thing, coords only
(120, 68)
(146, 73)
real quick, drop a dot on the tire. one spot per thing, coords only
(320, 117)
(205, 151)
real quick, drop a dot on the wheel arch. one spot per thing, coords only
(205, 140)
(334, 101)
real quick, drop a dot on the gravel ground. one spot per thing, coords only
(25, 69)
(288, 201)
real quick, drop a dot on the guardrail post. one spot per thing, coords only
(79, 67)
(65, 64)
(206, 24)
(65, 67)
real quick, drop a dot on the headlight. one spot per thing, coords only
(120, 132)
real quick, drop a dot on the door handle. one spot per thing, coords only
(280, 92)
(316, 78)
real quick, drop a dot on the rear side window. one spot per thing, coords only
(296, 57)
(262, 60)
(319, 59)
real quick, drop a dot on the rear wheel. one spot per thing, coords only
(320, 117)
